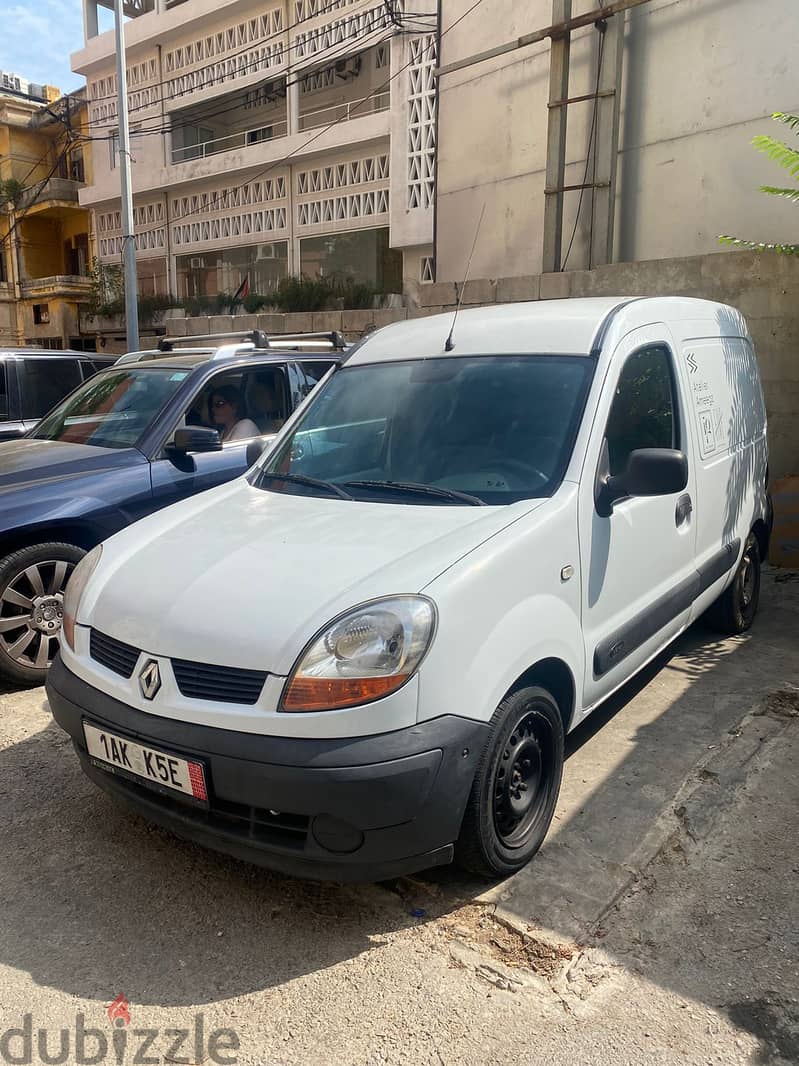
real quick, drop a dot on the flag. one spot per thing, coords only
(243, 291)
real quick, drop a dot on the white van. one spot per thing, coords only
(361, 658)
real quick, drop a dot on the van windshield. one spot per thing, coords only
(452, 430)
(112, 409)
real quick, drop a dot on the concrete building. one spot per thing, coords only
(268, 138)
(698, 80)
(44, 232)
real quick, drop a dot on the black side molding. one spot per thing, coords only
(629, 637)
(719, 565)
(613, 649)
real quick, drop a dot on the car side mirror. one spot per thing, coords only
(195, 439)
(255, 449)
(650, 472)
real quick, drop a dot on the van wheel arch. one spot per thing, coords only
(556, 677)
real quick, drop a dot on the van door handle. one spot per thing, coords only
(684, 508)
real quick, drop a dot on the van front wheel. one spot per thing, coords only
(516, 785)
(735, 609)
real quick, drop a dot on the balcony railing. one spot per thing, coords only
(61, 189)
(57, 285)
(243, 139)
(310, 120)
(367, 105)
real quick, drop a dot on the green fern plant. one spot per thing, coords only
(788, 158)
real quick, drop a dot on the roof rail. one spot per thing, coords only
(261, 339)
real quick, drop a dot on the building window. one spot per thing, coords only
(426, 272)
(211, 274)
(360, 256)
(382, 56)
(41, 314)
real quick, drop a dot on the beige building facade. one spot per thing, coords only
(269, 138)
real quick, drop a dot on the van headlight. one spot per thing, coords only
(76, 586)
(362, 655)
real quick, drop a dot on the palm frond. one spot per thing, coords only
(759, 246)
(787, 120)
(780, 153)
(788, 194)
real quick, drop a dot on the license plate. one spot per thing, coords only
(161, 769)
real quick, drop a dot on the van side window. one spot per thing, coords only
(643, 414)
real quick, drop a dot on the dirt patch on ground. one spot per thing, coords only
(784, 703)
(477, 925)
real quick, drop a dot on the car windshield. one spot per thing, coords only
(112, 409)
(452, 430)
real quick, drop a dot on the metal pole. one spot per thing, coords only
(128, 240)
(556, 140)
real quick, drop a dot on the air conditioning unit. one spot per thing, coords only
(197, 262)
(265, 251)
(348, 68)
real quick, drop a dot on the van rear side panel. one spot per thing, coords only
(726, 407)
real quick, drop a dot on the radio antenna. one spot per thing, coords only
(449, 344)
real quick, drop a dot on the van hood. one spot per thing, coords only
(243, 577)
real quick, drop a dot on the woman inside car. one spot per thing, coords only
(227, 414)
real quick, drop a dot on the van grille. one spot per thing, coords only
(198, 681)
(224, 684)
(119, 657)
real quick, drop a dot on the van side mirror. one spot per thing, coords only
(195, 439)
(650, 472)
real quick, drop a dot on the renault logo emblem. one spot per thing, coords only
(149, 679)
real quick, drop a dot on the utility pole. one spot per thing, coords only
(128, 239)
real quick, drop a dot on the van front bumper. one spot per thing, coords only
(345, 809)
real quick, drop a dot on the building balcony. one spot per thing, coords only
(56, 193)
(66, 286)
(311, 119)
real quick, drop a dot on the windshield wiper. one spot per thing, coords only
(419, 490)
(302, 479)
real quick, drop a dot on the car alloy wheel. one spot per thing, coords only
(31, 608)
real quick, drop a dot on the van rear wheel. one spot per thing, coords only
(735, 609)
(516, 786)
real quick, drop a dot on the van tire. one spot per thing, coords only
(503, 827)
(735, 609)
(54, 563)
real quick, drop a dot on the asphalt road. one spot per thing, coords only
(659, 924)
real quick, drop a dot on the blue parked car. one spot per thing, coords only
(153, 429)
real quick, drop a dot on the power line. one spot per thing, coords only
(325, 129)
(164, 128)
(254, 64)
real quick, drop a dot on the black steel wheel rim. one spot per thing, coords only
(521, 780)
(31, 611)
